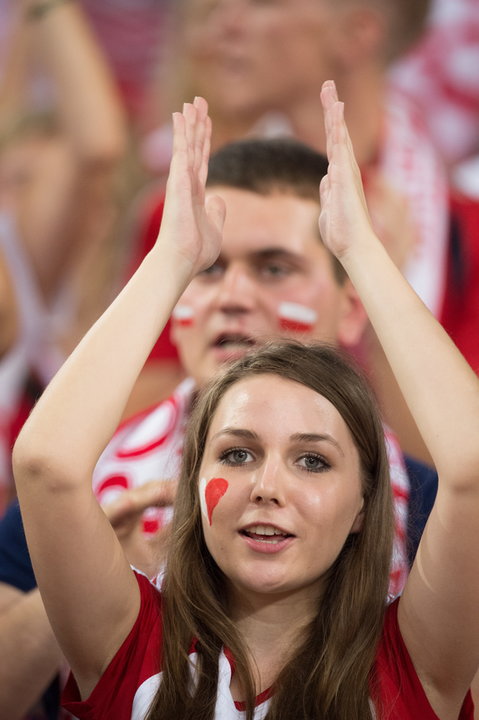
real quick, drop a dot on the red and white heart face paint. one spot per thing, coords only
(183, 315)
(211, 493)
(296, 318)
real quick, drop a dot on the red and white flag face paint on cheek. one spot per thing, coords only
(211, 493)
(296, 317)
(183, 315)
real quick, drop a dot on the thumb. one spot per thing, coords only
(216, 211)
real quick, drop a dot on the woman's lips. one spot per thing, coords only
(266, 538)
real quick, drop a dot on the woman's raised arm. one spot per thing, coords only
(89, 592)
(439, 609)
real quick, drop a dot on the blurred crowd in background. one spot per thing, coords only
(87, 88)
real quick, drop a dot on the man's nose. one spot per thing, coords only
(237, 291)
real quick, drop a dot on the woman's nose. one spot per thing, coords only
(269, 483)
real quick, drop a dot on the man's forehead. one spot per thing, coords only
(262, 254)
(268, 225)
(269, 218)
(269, 194)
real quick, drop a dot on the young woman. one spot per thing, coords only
(273, 603)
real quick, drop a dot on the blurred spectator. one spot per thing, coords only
(440, 74)
(57, 198)
(131, 34)
(260, 66)
(30, 679)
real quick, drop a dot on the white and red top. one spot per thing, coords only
(149, 446)
(126, 689)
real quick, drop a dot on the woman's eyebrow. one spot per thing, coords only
(316, 437)
(236, 432)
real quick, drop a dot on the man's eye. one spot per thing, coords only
(264, 2)
(235, 456)
(213, 271)
(275, 271)
(313, 463)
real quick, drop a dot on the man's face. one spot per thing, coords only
(274, 278)
(254, 56)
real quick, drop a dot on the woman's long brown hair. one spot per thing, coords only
(330, 673)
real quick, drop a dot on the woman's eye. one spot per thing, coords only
(313, 463)
(235, 456)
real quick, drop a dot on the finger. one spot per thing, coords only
(179, 136)
(179, 160)
(216, 211)
(343, 151)
(203, 174)
(120, 510)
(189, 114)
(156, 493)
(325, 99)
(200, 132)
(324, 191)
(323, 220)
(329, 94)
(133, 502)
(163, 494)
(339, 131)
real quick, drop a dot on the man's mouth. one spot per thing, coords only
(233, 342)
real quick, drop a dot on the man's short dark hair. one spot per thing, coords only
(269, 165)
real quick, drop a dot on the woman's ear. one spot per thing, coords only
(357, 525)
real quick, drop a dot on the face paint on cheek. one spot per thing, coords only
(210, 494)
(296, 317)
(201, 490)
(183, 315)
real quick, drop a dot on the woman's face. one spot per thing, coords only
(280, 487)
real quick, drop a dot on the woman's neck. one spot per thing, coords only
(272, 628)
